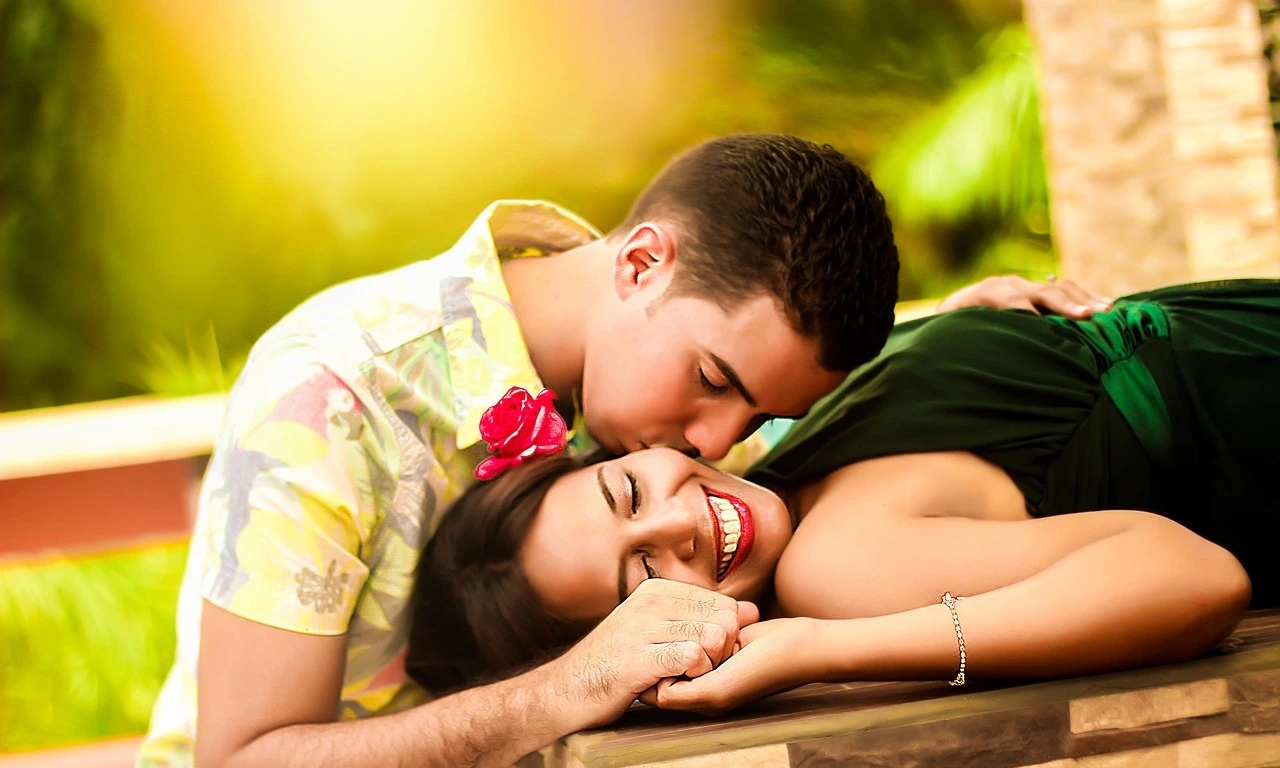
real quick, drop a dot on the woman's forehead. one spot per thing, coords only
(567, 555)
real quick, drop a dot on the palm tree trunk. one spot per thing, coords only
(1162, 161)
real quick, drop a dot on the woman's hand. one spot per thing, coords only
(774, 656)
(1059, 297)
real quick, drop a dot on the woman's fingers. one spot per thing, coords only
(1062, 297)
(710, 694)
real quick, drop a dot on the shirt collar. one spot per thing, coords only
(486, 349)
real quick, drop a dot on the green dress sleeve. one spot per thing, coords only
(1005, 385)
(1165, 404)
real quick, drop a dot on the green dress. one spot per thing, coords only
(1169, 403)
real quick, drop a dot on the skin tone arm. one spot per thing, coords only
(1060, 297)
(1047, 597)
(270, 697)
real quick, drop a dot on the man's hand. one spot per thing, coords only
(775, 656)
(1061, 297)
(665, 629)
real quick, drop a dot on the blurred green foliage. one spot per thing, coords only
(52, 294)
(192, 369)
(135, 204)
(85, 644)
(939, 99)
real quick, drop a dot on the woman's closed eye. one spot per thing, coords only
(709, 385)
(634, 489)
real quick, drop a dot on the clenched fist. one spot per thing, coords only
(665, 629)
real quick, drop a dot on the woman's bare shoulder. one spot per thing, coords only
(945, 483)
(840, 562)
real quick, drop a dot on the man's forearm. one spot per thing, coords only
(493, 725)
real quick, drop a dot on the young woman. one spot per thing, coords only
(1094, 493)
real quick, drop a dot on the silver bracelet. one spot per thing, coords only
(950, 601)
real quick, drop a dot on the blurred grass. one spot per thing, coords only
(197, 368)
(85, 644)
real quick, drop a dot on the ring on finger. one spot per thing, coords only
(1052, 278)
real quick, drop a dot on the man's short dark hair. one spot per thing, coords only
(782, 215)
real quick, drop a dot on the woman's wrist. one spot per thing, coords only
(919, 644)
(833, 652)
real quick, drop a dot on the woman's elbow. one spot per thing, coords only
(1225, 593)
(1236, 590)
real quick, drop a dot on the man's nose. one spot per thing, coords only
(712, 438)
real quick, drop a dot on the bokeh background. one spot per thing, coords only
(178, 175)
(175, 175)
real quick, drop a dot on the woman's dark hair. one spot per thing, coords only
(475, 617)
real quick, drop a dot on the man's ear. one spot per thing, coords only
(645, 260)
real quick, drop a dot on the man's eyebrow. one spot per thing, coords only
(732, 376)
(613, 506)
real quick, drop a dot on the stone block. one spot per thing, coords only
(1165, 756)
(771, 756)
(1231, 750)
(994, 740)
(1157, 705)
(1180, 14)
(1255, 702)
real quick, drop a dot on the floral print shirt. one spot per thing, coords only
(351, 429)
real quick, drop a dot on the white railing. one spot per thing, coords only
(138, 430)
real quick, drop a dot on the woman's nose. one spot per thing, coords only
(673, 528)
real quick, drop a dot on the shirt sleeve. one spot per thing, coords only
(289, 499)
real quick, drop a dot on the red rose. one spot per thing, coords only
(517, 428)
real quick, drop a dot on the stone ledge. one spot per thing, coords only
(1199, 711)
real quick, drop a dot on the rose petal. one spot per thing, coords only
(493, 466)
(520, 426)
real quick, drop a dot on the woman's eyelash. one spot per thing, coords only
(635, 509)
(635, 494)
(707, 383)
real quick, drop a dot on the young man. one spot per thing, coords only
(749, 277)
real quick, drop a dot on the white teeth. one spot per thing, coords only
(724, 509)
(730, 526)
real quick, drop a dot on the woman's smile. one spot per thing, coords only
(602, 530)
(734, 530)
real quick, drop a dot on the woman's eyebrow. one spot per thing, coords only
(604, 491)
(613, 506)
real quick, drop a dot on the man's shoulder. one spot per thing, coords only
(380, 310)
(378, 337)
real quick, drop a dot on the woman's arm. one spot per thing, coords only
(1147, 592)
(1057, 596)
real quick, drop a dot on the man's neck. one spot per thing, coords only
(554, 298)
